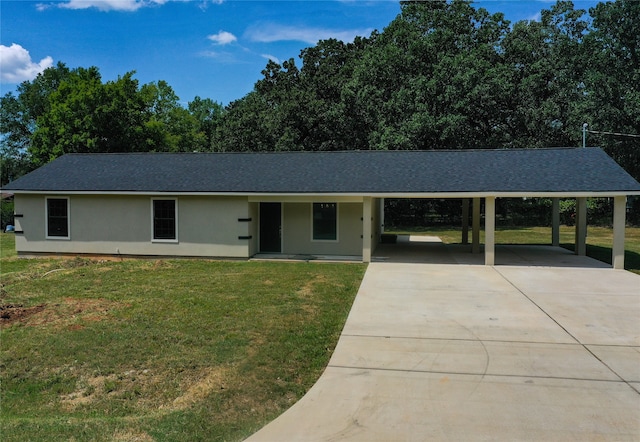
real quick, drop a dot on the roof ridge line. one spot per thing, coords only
(311, 152)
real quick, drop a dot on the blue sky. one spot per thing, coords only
(208, 48)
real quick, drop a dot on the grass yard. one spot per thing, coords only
(162, 350)
(599, 240)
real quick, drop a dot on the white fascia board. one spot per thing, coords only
(305, 198)
(252, 196)
(454, 195)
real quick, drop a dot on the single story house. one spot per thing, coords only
(325, 203)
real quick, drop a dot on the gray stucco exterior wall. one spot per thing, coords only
(122, 224)
(207, 226)
(297, 231)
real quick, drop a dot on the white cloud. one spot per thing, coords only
(271, 57)
(535, 17)
(222, 38)
(270, 32)
(112, 5)
(106, 5)
(211, 54)
(16, 65)
(222, 57)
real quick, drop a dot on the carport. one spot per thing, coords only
(476, 175)
(470, 231)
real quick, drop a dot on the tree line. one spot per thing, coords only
(445, 75)
(67, 110)
(441, 75)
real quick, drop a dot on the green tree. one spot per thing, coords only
(170, 126)
(18, 116)
(433, 78)
(65, 111)
(295, 108)
(244, 127)
(208, 115)
(86, 115)
(330, 123)
(19, 113)
(281, 87)
(547, 78)
(14, 137)
(612, 81)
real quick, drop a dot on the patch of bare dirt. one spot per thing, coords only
(94, 388)
(308, 293)
(10, 313)
(147, 389)
(65, 314)
(204, 383)
(308, 289)
(131, 436)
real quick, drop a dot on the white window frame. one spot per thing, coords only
(161, 240)
(337, 222)
(46, 218)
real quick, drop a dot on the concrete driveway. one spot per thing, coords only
(468, 352)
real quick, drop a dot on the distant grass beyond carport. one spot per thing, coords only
(163, 350)
(599, 239)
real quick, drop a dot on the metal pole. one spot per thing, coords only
(584, 135)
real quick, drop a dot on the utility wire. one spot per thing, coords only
(612, 133)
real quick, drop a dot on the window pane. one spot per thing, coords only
(325, 221)
(164, 219)
(57, 218)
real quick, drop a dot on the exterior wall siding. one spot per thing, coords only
(297, 231)
(254, 226)
(119, 224)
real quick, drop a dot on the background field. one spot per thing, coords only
(599, 239)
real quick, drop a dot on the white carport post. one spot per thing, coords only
(381, 216)
(366, 229)
(475, 234)
(465, 220)
(581, 226)
(489, 230)
(619, 209)
(555, 222)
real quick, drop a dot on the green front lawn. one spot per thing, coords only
(163, 350)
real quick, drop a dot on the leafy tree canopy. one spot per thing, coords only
(441, 75)
(72, 110)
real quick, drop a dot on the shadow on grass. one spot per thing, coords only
(631, 259)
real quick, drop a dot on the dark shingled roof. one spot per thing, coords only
(561, 170)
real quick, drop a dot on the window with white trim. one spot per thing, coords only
(325, 222)
(57, 218)
(164, 219)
